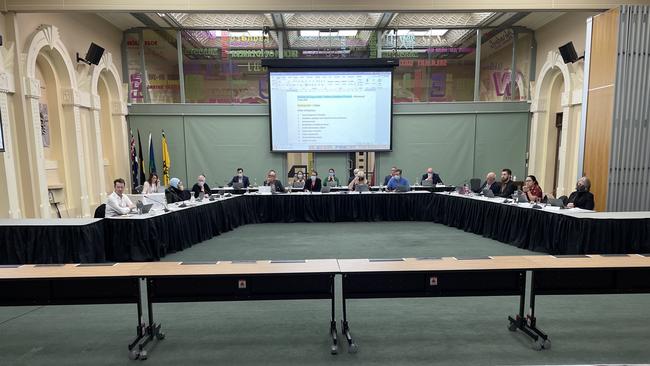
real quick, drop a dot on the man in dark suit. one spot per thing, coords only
(314, 183)
(240, 178)
(507, 187)
(388, 177)
(491, 184)
(431, 177)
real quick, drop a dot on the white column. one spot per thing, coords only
(99, 149)
(32, 88)
(76, 190)
(10, 180)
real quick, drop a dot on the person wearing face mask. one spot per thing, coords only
(507, 185)
(331, 179)
(176, 191)
(397, 180)
(299, 180)
(359, 179)
(314, 183)
(582, 198)
(430, 178)
(200, 186)
(240, 178)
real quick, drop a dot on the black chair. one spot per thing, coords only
(475, 185)
(564, 199)
(100, 211)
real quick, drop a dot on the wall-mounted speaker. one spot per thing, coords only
(93, 56)
(568, 53)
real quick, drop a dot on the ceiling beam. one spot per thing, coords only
(257, 6)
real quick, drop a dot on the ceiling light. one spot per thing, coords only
(309, 33)
(348, 32)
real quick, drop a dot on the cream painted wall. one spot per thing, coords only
(571, 27)
(77, 30)
(38, 64)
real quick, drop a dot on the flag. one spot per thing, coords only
(134, 162)
(152, 159)
(141, 161)
(165, 159)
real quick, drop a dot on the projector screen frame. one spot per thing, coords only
(328, 65)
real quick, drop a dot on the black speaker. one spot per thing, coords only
(568, 53)
(95, 53)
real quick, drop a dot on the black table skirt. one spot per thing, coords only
(31, 244)
(152, 238)
(542, 231)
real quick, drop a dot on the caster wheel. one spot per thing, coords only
(547, 344)
(160, 336)
(538, 345)
(134, 355)
(334, 350)
(143, 355)
(512, 327)
(353, 348)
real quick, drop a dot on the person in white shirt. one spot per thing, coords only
(118, 203)
(151, 185)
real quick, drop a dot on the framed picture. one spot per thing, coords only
(45, 124)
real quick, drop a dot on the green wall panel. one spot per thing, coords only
(459, 140)
(444, 142)
(501, 142)
(218, 145)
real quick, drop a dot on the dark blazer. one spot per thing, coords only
(244, 181)
(277, 184)
(196, 189)
(315, 186)
(173, 195)
(434, 177)
(386, 179)
(508, 190)
(495, 187)
(584, 200)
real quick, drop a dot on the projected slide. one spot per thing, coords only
(331, 110)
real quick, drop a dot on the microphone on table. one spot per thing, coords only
(164, 203)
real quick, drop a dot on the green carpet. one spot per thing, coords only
(443, 331)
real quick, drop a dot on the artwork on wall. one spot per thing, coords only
(45, 124)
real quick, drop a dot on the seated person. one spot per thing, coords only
(532, 190)
(360, 179)
(388, 177)
(176, 192)
(314, 183)
(240, 178)
(331, 179)
(430, 178)
(200, 186)
(491, 184)
(354, 175)
(582, 198)
(117, 202)
(299, 180)
(276, 185)
(397, 180)
(507, 188)
(152, 185)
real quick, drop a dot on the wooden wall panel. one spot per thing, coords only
(600, 103)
